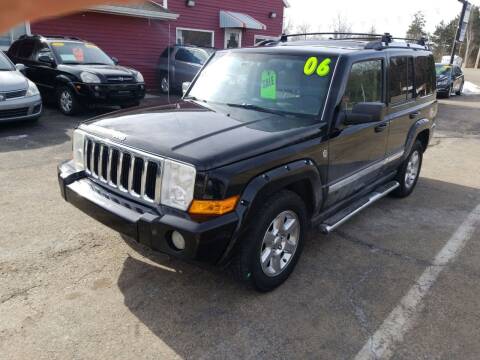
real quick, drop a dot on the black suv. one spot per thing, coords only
(76, 73)
(267, 142)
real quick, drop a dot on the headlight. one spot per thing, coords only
(139, 77)
(89, 78)
(78, 150)
(177, 184)
(32, 89)
(443, 82)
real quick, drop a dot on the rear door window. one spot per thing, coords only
(401, 79)
(425, 80)
(365, 84)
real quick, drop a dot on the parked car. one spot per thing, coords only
(267, 142)
(450, 79)
(76, 73)
(19, 97)
(185, 61)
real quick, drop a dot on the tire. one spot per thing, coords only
(449, 92)
(164, 83)
(67, 101)
(459, 92)
(409, 171)
(262, 238)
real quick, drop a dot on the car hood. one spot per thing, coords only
(11, 81)
(442, 77)
(205, 137)
(101, 69)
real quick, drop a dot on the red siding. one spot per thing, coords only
(139, 42)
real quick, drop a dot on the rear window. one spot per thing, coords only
(194, 56)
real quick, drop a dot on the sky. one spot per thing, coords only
(387, 15)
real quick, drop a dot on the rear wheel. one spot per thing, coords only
(272, 246)
(409, 171)
(67, 101)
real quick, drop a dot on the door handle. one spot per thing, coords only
(381, 127)
(413, 115)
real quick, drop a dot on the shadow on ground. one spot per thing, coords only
(342, 289)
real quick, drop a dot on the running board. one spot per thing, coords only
(338, 219)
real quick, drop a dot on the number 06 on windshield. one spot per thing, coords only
(312, 65)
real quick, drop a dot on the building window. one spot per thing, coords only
(259, 38)
(204, 38)
(9, 37)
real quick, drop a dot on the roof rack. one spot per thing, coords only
(375, 41)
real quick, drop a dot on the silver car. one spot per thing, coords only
(19, 97)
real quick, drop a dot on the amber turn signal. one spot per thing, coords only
(213, 207)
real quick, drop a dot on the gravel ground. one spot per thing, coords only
(70, 288)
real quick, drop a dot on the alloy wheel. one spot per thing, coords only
(412, 169)
(280, 243)
(66, 101)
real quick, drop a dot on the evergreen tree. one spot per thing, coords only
(416, 29)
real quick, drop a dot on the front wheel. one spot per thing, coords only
(460, 90)
(270, 249)
(67, 101)
(409, 171)
(164, 83)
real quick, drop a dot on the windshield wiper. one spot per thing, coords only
(262, 109)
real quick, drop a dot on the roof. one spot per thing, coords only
(146, 9)
(231, 19)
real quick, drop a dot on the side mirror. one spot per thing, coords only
(20, 67)
(46, 59)
(363, 113)
(185, 86)
(115, 60)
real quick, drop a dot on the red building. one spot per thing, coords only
(137, 34)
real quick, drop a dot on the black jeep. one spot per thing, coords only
(266, 142)
(75, 73)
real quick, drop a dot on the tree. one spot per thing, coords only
(373, 30)
(416, 29)
(341, 25)
(443, 37)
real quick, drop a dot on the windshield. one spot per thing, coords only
(5, 64)
(80, 53)
(443, 69)
(280, 83)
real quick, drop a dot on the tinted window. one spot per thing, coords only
(165, 52)
(195, 56)
(364, 84)
(401, 79)
(182, 55)
(25, 50)
(425, 80)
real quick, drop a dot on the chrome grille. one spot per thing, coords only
(129, 171)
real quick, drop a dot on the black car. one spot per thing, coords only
(76, 73)
(450, 79)
(266, 143)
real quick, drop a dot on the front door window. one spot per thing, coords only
(233, 38)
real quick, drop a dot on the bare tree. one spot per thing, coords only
(288, 26)
(304, 28)
(341, 25)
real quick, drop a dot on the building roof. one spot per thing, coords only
(146, 9)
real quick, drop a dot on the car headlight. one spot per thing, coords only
(178, 183)
(89, 78)
(32, 89)
(139, 77)
(78, 150)
(443, 82)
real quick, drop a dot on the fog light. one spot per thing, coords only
(178, 241)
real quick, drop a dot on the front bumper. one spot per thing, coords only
(205, 241)
(24, 108)
(109, 94)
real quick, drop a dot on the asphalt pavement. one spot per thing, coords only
(70, 288)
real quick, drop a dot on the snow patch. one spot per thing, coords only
(470, 88)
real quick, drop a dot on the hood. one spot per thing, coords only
(442, 77)
(102, 70)
(11, 81)
(205, 137)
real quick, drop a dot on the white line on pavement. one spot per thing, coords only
(381, 345)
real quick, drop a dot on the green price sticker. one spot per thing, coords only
(268, 86)
(312, 65)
